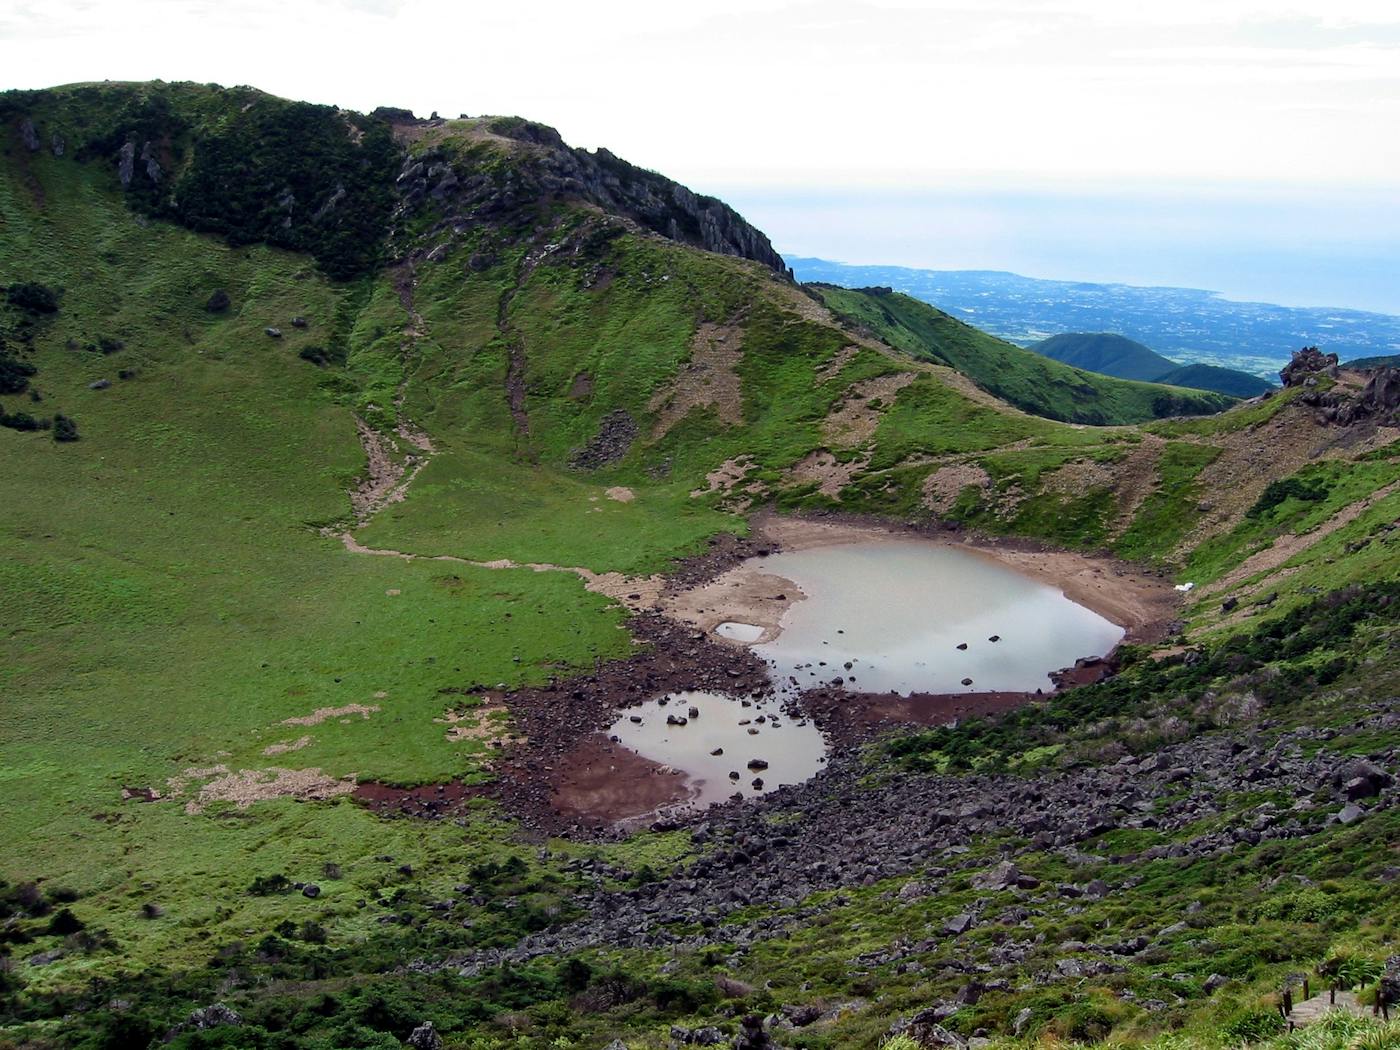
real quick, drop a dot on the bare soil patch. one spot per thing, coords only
(1079, 478)
(1136, 480)
(322, 714)
(248, 786)
(282, 747)
(828, 473)
(597, 776)
(852, 424)
(620, 494)
(943, 487)
(1290, 544)
(1276, 448)
(839, 360)
(388, 470)
(581, 389)
(489, 724)
(709, 380)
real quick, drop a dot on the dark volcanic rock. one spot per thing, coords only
(467, 190)
(1306, 364)
(424, 1037)
(615, 435)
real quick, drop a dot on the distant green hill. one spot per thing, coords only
(1124, 358)
(1030, 381)
(1390, 361)
(1212, 377)
(1107, 353)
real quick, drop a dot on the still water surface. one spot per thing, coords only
(897, 610)
(884, 616)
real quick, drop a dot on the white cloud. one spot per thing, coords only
(808, 92)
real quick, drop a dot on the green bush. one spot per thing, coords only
(14, 374)
(1288, 488)
(64, 429)
(33, 297)
(1253, 1026)
(21, 421)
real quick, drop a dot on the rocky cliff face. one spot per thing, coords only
(1378, 400)
(545, 168)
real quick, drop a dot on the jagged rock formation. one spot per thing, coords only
(1378, 401)
(545, 168)
(1308, 363)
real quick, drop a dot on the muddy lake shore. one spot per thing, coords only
(565, 775)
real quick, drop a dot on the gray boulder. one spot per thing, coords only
(126, 163)
(424, 1037)
(999, 877)
(218, 1015)
(959, 924)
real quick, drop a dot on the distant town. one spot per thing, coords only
(1189, 325)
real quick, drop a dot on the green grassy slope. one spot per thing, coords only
(168, 599)
(1025, 379)
(1229, 381)
(175, 589)
(1106, 353)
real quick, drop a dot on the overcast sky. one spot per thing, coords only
(1117, 97)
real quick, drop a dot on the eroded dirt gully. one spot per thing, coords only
(567, 776)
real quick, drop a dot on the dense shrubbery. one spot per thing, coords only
(264, 169)
(64, 429)
(22, 421)
(32, 297)
(288, 173)
(1288, 488)
(14, 373)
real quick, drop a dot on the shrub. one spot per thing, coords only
(65, 922)
(1254, 1025)
(21, 421)
(106, 345)
(1287, 488)
(33, 297)
(64, 429)
(14, 374)
(1302, 905)
(268, 885)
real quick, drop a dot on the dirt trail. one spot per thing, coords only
(1137, 478)
(635, 592)
(1290, 544)
(390, 467)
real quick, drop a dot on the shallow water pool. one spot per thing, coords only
(792, 749)
(890, 616)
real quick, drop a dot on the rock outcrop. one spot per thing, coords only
(1308, 363)
(544, 168)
